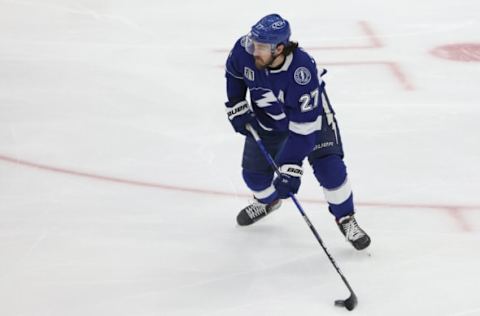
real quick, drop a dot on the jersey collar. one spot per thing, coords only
(286, 64)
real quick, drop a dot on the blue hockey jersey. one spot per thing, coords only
(285, 99)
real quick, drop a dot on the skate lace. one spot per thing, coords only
(352, 230)
(256, 210)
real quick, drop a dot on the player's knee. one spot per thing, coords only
(257, 181)
(330, 171)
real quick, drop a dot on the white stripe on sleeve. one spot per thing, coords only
(231, 74)
(264, 127)
(277, 117)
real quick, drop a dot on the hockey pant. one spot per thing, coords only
(326, 160)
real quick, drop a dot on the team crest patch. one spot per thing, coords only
(302, 76)
(249, 73)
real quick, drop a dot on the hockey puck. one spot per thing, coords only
(340, 303)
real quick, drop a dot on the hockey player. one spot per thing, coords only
(291, 112)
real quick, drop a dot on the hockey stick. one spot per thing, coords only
(350, 302)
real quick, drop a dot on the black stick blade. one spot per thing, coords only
(349, 303)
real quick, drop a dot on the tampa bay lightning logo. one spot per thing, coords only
(278, 25)
(302, 76)
(263, 97)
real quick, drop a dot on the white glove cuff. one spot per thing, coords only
(291, 170)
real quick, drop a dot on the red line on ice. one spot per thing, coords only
(453, 210)
(374, 41)
(456, 214)
(367, 29)
(394, 68)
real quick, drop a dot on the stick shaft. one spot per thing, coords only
(272, 163)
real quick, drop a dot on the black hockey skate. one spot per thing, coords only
(256, 211)
(353, 233)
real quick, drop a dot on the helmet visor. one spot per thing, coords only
(257, 48)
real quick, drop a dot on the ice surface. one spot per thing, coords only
(120, 179)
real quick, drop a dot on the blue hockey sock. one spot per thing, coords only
(331, 173)
(261, 185)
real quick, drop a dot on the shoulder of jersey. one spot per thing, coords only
(303, 67)
(303, 59)
(239, 47)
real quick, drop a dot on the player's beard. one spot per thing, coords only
(262, 64)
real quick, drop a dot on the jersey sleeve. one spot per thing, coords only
(236, 87)
(304, 106)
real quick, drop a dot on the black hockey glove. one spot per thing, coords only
(289, 180)
(240, 115)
